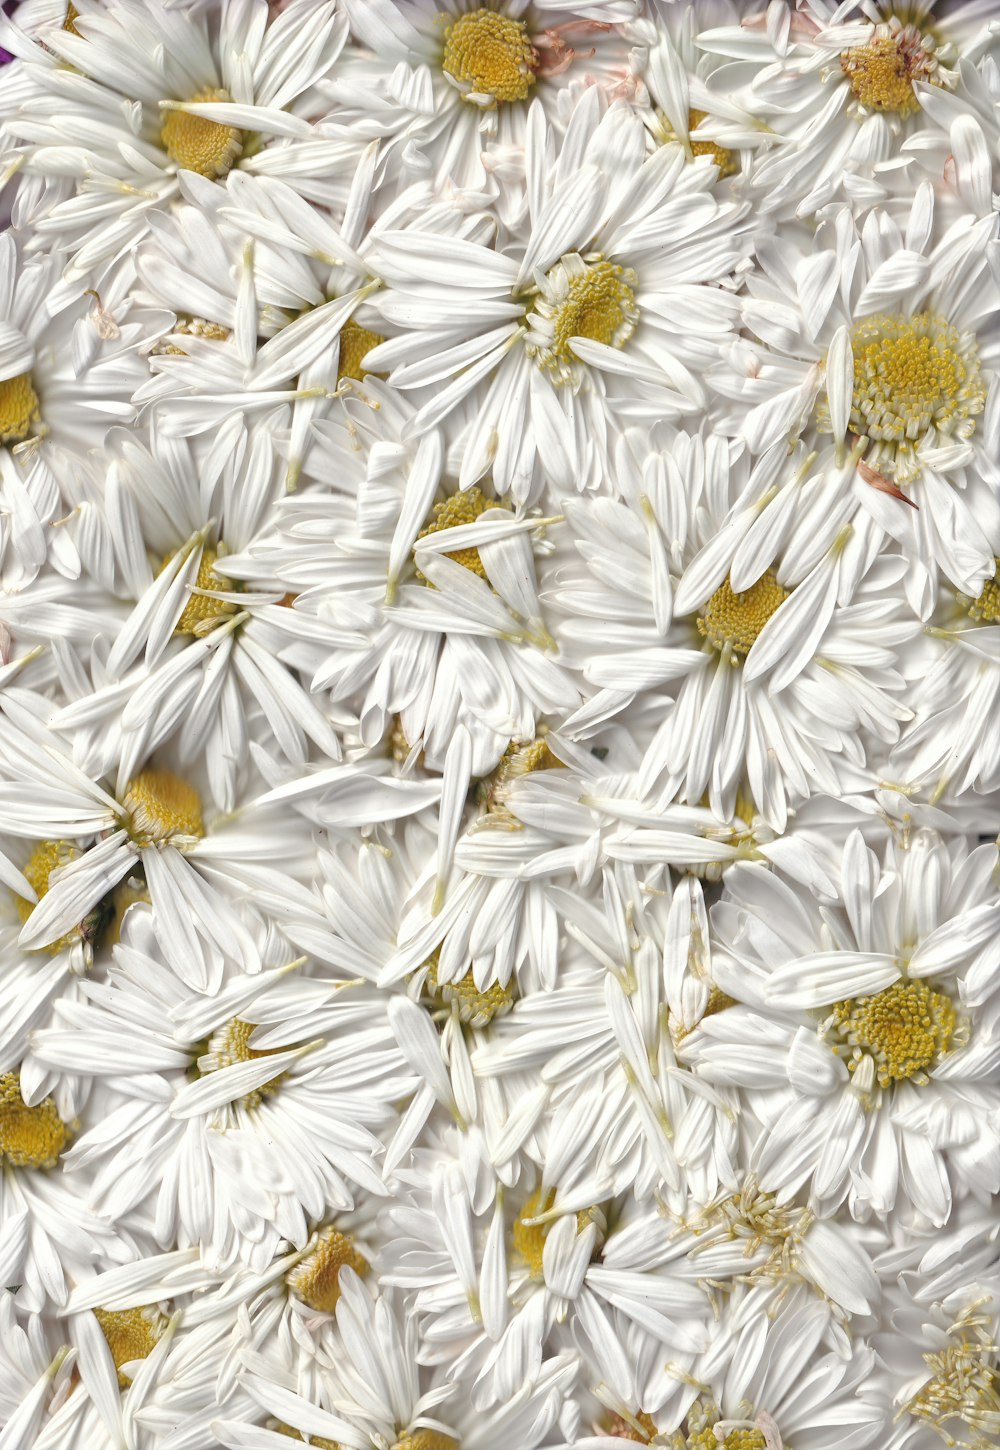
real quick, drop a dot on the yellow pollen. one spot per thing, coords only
(29, 1137)
(316, 1440)
(700, 1431)
(620, 1429)
(48, 856)
(72, 16)
(201, 612)
(736, 620)
(207, 147)
(985, 609)
(904, 1029)
(131, 1334)
(592, 299)
(161, 807)
(426, 1440)
(881, 73)
(529, 1238)
(18, 408)
(316, 1278)
(722, 157)
(355, 343)
(963, 1391)
(491, 55)
(475, 1008)
(461, 508)
(231, 1044)
(522, 757)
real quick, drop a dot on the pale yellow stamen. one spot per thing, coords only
(734, 621)
(757, 1220)
(475, 1008)
(986, 609)
(196, 144)
(963, 1393)
(131, 1334)
(700, 1432)
(904, 1029)
(590, 299)
(29, 1137)
(201, 611)
(316, 1278)
(461, 508)
(355, 343)
(19, 409)
(230, 1045)
(162, 806)
(490, 55)
(722, 157)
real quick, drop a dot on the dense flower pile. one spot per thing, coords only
(499, 724)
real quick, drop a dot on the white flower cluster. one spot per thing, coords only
(500, 724)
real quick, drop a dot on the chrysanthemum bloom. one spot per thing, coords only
(610, 301)
(124, 98)
(863, 1033)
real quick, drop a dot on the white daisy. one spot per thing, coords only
(610, 303)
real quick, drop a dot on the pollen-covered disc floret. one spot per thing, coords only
(961, 1399)
(881, 73)
(131, 1334)
(461, 508)
(489, 56)
(734, 620)
(355, 343)
(757, 1220)
(641, 1432)
(522, 757)
(986, 608)
(426, 1440)
(904, 1030)
(196, 144)
(529, 1235)
(705, 1429)
(231, 1045)
(19, 409)
(202, 612)
(48, 856)
(162, 808)
(721, 155)
(475, 1008)
(315, 1279)
(30, 1137)
(586, 297)
(914, 378)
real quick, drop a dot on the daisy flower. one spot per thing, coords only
(770, 677)
(863, 1031)
(447, 85)
(842, 87)
(884, 340)
(125, 98)
(610, 302)
(269, 1089)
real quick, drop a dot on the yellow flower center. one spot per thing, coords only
(963, 1392)
(912, 375)
(131, 1334)
(201, 612)
(904, 1029)
(230, 1045)
(700, 1432)
(18, 408)
(316, 1440)
(592, 299)
(207, 147)
(522, 757)
(29, 1137)
(621, 1429)
(722, 157)
(316, 1278)
(985, 609)
(881, 73)
(72, 16)
(529, 1237)
(475, 1008)
(426, 1440)
(355, 343)
(461, 508)
(161, 806)
(490, 55)
(734, 621)
(48, 856)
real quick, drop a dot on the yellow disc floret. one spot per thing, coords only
(705, 1429)
(722, 157)
(490, 56)
(529, 1237)
(461, 508)
(201, 611)
(592, 299)
(48, 856)
(961, 1398)
(19, 409)
(881, 73)
(208, 147)
(131, 1334)
(316, 1278)
(355, 343)
(475, 1008)
(734, 621)
(162, 807)
(986, 608)
(29, 1137)
(426, 1440)
(230, 1045)
(641, 1432)
(905, 1029)
(72, 16)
